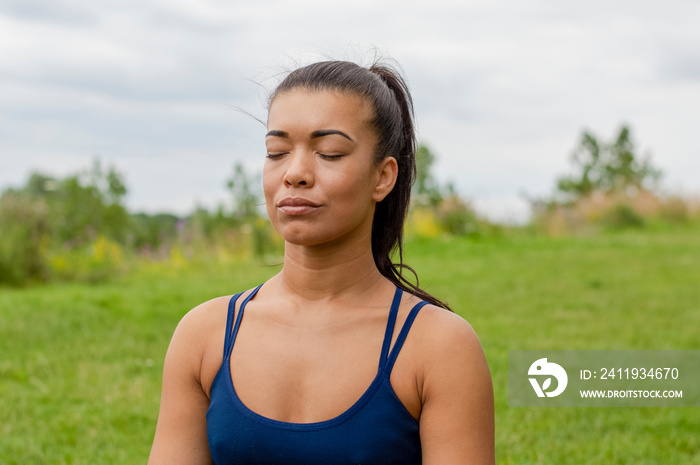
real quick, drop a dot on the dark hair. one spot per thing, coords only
(387, 92)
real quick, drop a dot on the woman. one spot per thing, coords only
(333, 362)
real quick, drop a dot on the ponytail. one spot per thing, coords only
(390, 214)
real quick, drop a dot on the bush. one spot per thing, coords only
(98, 261)
(622, 216)
(674, 210)
(632, 209)
(23, 222)
(456, 217)
(423, 223)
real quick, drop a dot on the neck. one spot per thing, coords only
(330, 272)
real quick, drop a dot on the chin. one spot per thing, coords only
(299, 234)
(305, 240)
(309, 236)
(314, 233)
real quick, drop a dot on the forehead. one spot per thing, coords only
(309, 110)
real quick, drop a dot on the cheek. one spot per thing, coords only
(268, 182)
(269, 186)
(354, 187)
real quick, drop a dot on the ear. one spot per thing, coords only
(387, 173)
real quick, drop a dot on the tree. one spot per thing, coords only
(587, 161)
(426, 189)
(149, 232)
(612, 167)
(89, 204)
(245, 197)
(624, 168)
(48, 214)
(81, 206)
(25, 229)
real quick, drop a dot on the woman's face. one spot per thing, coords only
(319, 178)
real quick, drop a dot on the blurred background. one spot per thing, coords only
(557, 203)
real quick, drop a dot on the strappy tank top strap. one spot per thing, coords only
(229, 321)
(389, 332)
(231, 333)
(402, 335)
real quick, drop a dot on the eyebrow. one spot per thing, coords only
(314, 135)
(329, 132)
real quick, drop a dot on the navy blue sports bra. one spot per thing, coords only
(377, 429)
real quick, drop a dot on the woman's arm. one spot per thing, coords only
(457, 416)
(181, 433)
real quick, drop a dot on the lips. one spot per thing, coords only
(297, 206)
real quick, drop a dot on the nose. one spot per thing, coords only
(299, 170)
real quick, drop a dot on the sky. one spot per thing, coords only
(162, 89)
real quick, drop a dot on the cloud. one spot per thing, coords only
(56, 11)
(502, 89)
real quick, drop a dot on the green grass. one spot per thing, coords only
(80, 365)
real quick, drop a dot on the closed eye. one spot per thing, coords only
(274, 156)
(329, 157)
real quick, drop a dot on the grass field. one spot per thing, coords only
(80, 365)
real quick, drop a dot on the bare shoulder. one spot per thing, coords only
(181, 432)
(446, 333)
(449, 354)
(457, 415)
(195, 328)
(204, 316)
(198, 340)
